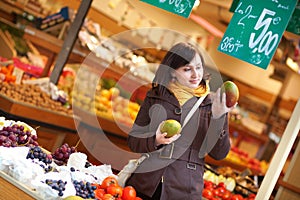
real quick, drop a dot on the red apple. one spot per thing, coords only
(232, 93)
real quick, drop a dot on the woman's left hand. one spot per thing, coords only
(219, 107)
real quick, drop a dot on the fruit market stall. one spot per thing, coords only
(35, 173)
(29, 103)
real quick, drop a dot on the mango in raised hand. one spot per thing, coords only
(232, 93)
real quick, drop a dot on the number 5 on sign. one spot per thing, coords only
(255, 30)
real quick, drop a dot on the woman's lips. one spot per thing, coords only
(194, 81)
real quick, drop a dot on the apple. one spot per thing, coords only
(232, 93)
(171, 127)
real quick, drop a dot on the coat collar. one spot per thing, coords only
(170, 97)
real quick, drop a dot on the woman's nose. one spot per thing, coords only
(194, 73)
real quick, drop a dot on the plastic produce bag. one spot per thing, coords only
(47, 192)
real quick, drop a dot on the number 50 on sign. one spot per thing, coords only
(255, 30)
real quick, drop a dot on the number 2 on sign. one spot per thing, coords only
(266, 41)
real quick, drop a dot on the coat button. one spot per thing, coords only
(177, 111)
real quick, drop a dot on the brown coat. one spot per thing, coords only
(182, 172)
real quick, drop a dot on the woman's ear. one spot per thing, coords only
(173, 77)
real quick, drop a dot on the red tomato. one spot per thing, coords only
(222, 184)
(129, 193)
(115, 190)
(226, 195)
(108, 197)
(138, 198)
(216, 192)
(99, 193)
(236, 197)
(221, 191)
(207, 193)
(110, 180)
(208, 184)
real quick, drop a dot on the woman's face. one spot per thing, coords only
(191, 74)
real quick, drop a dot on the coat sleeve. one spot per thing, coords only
(141, 138)
(216, 142)
(222, 147)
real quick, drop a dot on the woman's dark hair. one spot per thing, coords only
(179, 55)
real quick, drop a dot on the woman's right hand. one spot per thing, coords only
(162, 139)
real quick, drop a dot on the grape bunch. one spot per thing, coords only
(16, 135)
(37, 153)
(62, 154)
(84, 189)
(58, 185)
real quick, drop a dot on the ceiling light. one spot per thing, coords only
(293, 65)
(196, 4)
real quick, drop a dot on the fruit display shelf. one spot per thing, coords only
(36, 113)
(244, 133)
(233, 165)
(12, 189)
(52, 126)
(103, 123)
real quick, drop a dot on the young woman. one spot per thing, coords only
(174, 169)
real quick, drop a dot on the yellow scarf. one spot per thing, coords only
(183, 93)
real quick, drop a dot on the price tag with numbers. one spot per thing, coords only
(255, 30)
(179, 7)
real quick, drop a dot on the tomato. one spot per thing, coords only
(221, 191)
(138, 198)
(110, 180)
(222, 184)
(208, 184)
(236, 197)
(108, 197)
(99, 193)
(129, 193)
(216, 192)
(207, 193)
(226, 195)
(115, 190)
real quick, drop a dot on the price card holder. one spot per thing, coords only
(178, 7)
(255, 30)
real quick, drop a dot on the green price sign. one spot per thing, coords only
(179, 7)
(233, 6)
(294, 23)
(255, 30)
